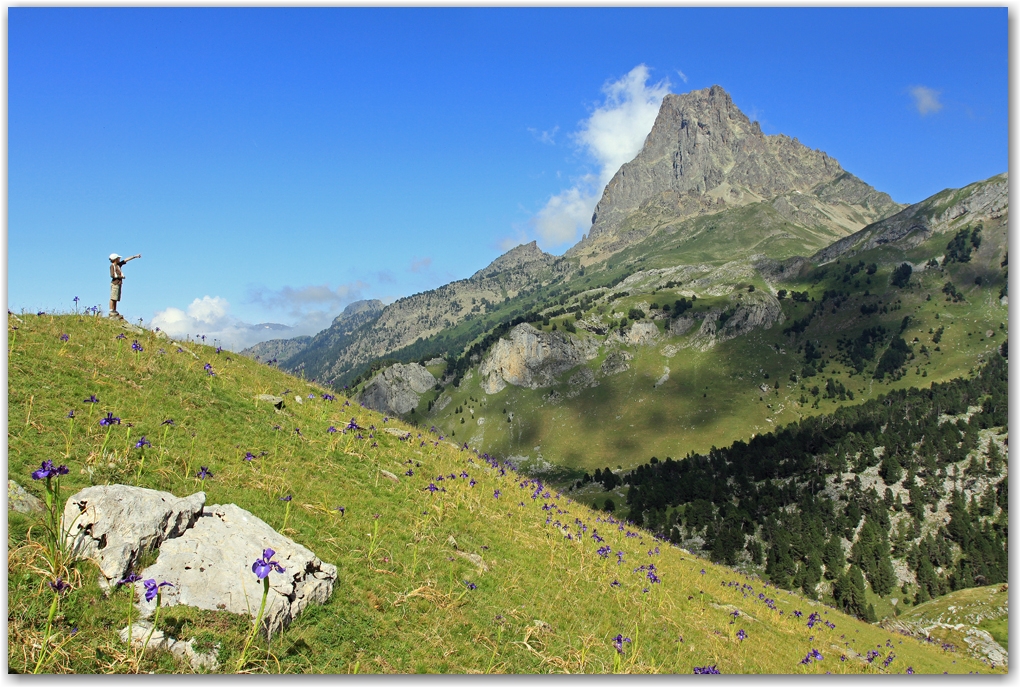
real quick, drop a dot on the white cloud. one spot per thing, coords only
(547, 137)
(296, 299)
(926, 100)
(308, 309)
(611, 136)
(683, 77)
(420, 264)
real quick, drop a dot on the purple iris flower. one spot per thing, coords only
(432, 487)
(741, 635)
(249, 456)
(143, 442)
(219, 349)
(495, 494)
(135, 346)
(47, 470)
(328, 397)
(203, 473)
(70, 414)
(109, 420)
(706, 670)
(92, 399)
(263, 566)
(59, 586)
(342, 510)
(130, 579)
(288, 497)
(122, 336)
(470, 585)
(353, 424)
(169, 421)
(64, 337)
(618, 642)
(152, 589)
(331, 430)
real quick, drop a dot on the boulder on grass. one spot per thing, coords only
(116, 524)
(210, 567)
(20, 501)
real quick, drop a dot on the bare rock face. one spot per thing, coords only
(209, 567)
(21, 501)
(616, 362)
(116, 524)
(532, 358)
(702, 155)
(946, 211)
(757, 310)
(681, 325)
(397, 389)
(638, 334)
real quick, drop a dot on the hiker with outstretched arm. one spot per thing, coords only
(116, 280)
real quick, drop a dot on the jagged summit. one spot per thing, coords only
(703, 155)
(516, 257)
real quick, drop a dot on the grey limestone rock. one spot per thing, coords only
(616, 362)
(116, 524)
(21, 501)
(532, 358)
(209, 567)
(397, 389)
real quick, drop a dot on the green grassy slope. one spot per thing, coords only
(547, 603)
(948, 618)
(713, 397)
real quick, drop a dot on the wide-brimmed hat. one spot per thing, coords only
(114, 256)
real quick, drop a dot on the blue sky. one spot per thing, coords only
(272, 165)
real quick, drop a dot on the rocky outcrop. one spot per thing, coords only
(638, 334)
(397, 389)
(21, 501)
(532, 358)
(116, 524)
(681, 325)
(756, 310)
(943, 212)
(615, 363)
(209, 567)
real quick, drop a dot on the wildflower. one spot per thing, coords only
(409, 473)
(328, 397)
(470, 585)
(910, 670)
(143, 442)
(288, 497)
(331, 430)
(152, 589)
(203, 473)
(342, 510)
(70, 414)
(495, 494)
(219, 349)
(92, 399)
(64, 337)
(472, 482)
(59, 586)
(614, 583)
(706, 670)
(122, 336)
(741, 635)
(263, 566)
(249, 456)
(353, 425)
(109, 420)
(135, 346)
(702, 571)
(47, 470)
(618, 642)
(169, 421)
(130, 579)
(432, 487)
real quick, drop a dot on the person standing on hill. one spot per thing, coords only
(116, 280)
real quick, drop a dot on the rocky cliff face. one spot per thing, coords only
(397, 389)
(703, 155)
(946, 211)
(532, 358)
(422, 315)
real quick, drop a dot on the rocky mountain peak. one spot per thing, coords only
(702, 155)
(358, 308)
(516, 257)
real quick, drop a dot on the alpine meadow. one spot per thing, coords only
(754, 421)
